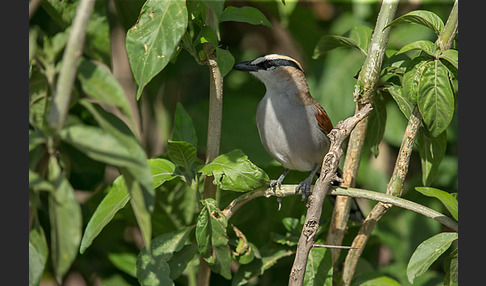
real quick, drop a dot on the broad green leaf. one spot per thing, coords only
(162, 171)
(258, 266)
(124, 261)
(447, 199)
(403, 101)
(435, 97)
(138, 176)
(412, 76)
(422, 45)
(66, 221)
(99, 145)
(234, 171)
(116, 198)
(451, 266)
(431, 150)
(244, 14)
(153, 269)
(99, 83)
(183, 154)
(319, 268)
(330, 42)
(362, 36)
(212, 239)
(376, 125)
(225, 61)
(183, 126)
(180, 259)
(428, 252)
(420, 17)
(153, 40)
(382, 281)
(38, 253)
(451, 56)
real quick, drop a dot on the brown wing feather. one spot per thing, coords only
(323, 120)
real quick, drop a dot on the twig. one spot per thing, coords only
(73, 51)
(214, 130)
(289, 190)
(332, 246)
(316, 199)
(364, 93)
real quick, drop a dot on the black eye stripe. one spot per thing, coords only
(278, 63)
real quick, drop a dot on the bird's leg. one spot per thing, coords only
(306, 184)
(278, 182)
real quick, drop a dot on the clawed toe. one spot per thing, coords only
(304, 187)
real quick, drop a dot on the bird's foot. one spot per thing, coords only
(304, 187)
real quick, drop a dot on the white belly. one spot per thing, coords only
(290, 133)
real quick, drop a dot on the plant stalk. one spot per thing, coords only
(363, 94)
(72, 53)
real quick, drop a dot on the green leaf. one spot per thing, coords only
(183, 154)
(180, 259)
(244, 14)
(435, 97)
(65, 219)
(225, 61)
(153, 40)
(98, 82)
(38, 253)
(153, 269)
(403, 101)
(243, 253)
(431, 150)
(138, 176)
(422, 45)
(382, 281)
(411, 78)
(183, 126)
(125, 261)
(330, 42)
(451, 266)
(376, 125)
(446, 198)
(428, 252)
(116, 198)
(212, 239)
(451, 56)
(362, 36)
(258, 266)
(420, 17)
(319, 267)
(234, 171)
(99, 145)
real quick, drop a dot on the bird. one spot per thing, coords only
(292, 125)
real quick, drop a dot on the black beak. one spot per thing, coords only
(245, 66)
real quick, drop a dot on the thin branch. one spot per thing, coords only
(289, 190)
(72, 53)
(214, 129)
(316, 199)
(363, 94)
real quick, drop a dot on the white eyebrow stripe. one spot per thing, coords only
(271, 57)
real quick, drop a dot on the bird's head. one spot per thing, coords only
(273, 69)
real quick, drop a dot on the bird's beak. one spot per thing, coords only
(245, 66)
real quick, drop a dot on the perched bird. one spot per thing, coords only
(293, 126)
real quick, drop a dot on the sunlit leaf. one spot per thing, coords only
(421, 17)
(153, 40)
(38, 253)
(446, 198)
(244, 14)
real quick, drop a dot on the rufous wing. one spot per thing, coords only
(323, 120)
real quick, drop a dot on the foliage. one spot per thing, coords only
(117, 193)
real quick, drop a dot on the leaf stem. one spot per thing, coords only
(72, 53)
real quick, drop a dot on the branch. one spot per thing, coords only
(289, 190)
(395, 185)
(316, 199)
(363, 94)
(214, 130)
(74, 49)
